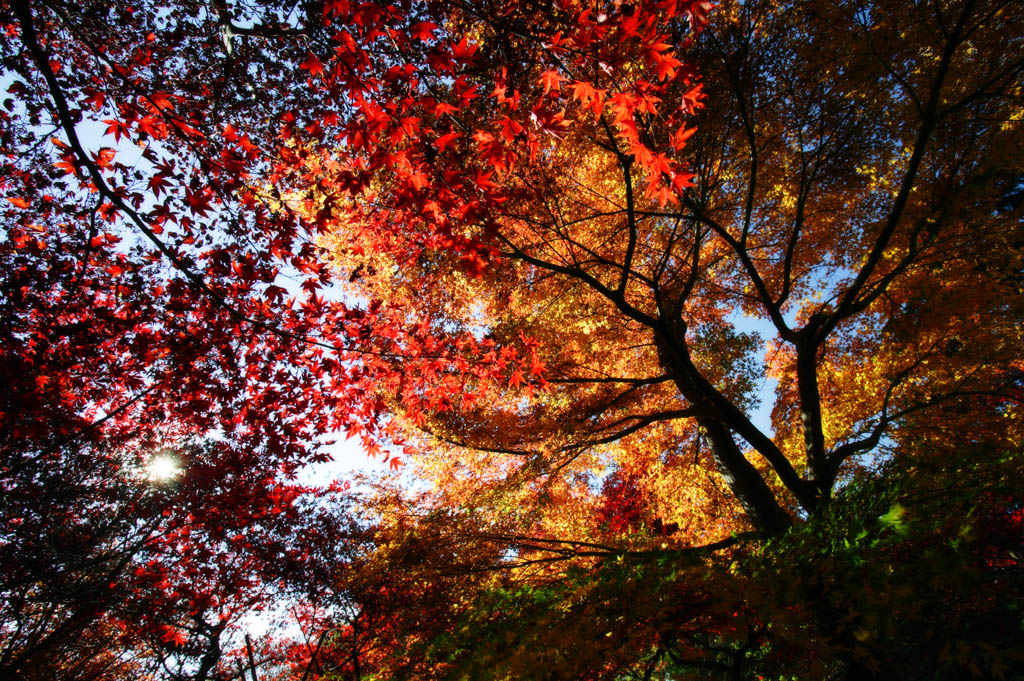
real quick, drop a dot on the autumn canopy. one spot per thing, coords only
(692, 335)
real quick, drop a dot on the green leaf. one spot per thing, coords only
(893, 518)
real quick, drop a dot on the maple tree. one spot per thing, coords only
(538, 251)
(141, 320)
(848, 190)
(592, 267)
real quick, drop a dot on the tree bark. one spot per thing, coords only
(744, 481)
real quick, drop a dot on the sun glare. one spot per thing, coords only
(162, 468)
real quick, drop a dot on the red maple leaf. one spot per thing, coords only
(104, 157)
(446, 140)
(164, 101)
(189, 130)
(158, 183)
(198, 202)
(681, 135)
(464, 50)
(95, 98)
(116, 128)
(313, 65)
(424, 30)
(550, 80)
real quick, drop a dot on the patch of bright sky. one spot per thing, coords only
(163, 468)
(761, 416)
(348, 461)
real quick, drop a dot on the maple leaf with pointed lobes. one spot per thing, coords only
(681, 181)
(107, 211)
(117, 128)
(464, 51)
(418, 180)
(681, 135)
(158, 183)
(19, 202)
(446, 140)
(95, 98)
(175, 636)
(313, 65)
(187, 129)
(423, 30)
(666, 65)
(199, 201)
(694, 97)
(163, 101)
(104, 157)
(550, 81)
(586, 93)
(153, 126)
(67, 164)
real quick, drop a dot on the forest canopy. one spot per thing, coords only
(692, 334)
